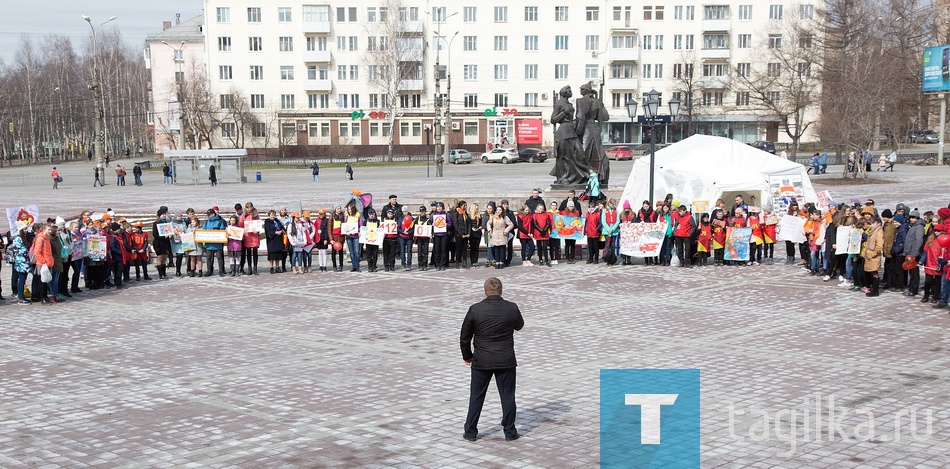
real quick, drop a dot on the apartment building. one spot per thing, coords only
(331, 73)
(172, 57)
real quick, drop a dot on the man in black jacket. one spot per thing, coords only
(492, 323)
(510, 249)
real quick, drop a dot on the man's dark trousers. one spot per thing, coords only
(505, 381)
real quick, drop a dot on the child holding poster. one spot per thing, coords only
(570, 245)
(769, 236)
(755, 243)
(738, 220)
(718, 224)
(423, 232)
(372, 250)
(235, 247)
(390, 243)
(592, 231)
(704, 240)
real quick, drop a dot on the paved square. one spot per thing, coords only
(363, 370)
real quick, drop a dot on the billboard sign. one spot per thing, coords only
(936, 72)
(529, 131)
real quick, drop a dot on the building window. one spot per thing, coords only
(560, 42)
(386, 128)
(318, 101)
(712, 98)
(531, 43)
(560, 13)
(560, 71)
(715, 41)
(658, 40)
(287, 101)
(354, 72)
(470, 43)
(530, 14)
(677, 70)
(647, 42)
(531, 99)
(471, 128)
(226, 101)
(346, 14)
(773, 97)
(354, 43)
(224, 14)
(253, 15)
(469, 14)
(224, 44)
(316, 13)
(228, 130)
(286, 44)
(773, 69)
(313, 130)
(501, 99)
(745, 41)
(324, 129)
(501, 72)
(501, 14)
(373, 100)
(716, 12)
(344, 129)
(341, 72)
(626, 41)
(714, 70)
(806, 11)
(224, 72)
(257, 101)
(690, 13)
(531, 71)
(744, 70)
(647, 71)
(592, 13)
(592, 43)
(501, 43)
(438, 14)
(742, 98)
(258, 130)
(355, 130)
(647, 13)
(745, 12)
(316, 43)
(804, 69)
(371, 14)
(591, 71)
(374, 129)
(470, 72)
(284, 15)
(257, 72)
(286, 72)
(622, 71)
(441, 72)
(775, 12)
(255, 44)
(804, 41)
(677, 42)
(471, 100)
(179, 77)
(403, 129)
(659, 13)
(689, 42)
(775, 41)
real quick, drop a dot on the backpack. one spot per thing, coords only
(610, 256)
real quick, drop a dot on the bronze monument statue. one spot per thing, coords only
(591, 115)
(571, 168)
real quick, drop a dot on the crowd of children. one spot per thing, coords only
(57, 253)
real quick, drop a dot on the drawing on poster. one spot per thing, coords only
(854, 242)
(439, 223)
(785, 189)
(737, 244)
(372, 236)
(566, 227)
(641, 239)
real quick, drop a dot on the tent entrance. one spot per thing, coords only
(752, 197)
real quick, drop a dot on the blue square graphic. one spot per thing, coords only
(649, 418)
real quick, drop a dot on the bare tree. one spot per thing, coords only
(394, 59)
(201, 111)
(688, 87)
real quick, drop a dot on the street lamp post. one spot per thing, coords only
(179, 57)
(438, 122)
(100, 138)
(448, 106)
(651, 104)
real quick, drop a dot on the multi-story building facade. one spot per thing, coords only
(335, 73)
(173, 57)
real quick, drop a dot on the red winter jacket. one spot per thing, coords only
(682, 225)
(524, 226)
(592, 224)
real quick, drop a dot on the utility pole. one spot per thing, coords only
(179, 57)
(440, 154)
(96, 87)
(448, 106)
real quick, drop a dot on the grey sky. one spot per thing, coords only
(40, 18)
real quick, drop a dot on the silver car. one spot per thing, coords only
(460, 156)
(500, 155)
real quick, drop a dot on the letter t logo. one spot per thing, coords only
(650, 414)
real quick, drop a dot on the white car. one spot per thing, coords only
(500, 155)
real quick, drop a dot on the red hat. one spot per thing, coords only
(940, 227)
(215, 208)
(944, 213)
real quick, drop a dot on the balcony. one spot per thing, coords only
(717, 25)
(712, 54)
(715, 82)
(411, 27)
(623, 83)
(316, 56)
(631, 54)
(316, 27)
(318, 85)
(411, 85)
(410, 48)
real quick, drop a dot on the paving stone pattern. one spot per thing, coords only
(363, 370)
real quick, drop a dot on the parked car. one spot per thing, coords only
(764, 146)
(460, 156)
(619, 153)
(500, 155)
(924, 136)
(532, 155)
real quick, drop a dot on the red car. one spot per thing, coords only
(619, 153)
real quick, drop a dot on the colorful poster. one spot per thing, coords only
(786, 188)
(843, 239)
(642, 239)
(235, 232)
(854, 242)
(440, 223)
(388, 226)
(350, 228)
(529, 131)
(20, 217)
(211, 236)
(96, 247)
(165, 230)
(566, 227)
(737, 244)
(187, 242)
(373, 236)
(423, 231)
(254, 226)
(792, 228)
(824, 201)
(700, 206)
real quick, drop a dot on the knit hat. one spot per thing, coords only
(944, 213)
(900, 206)
(914, 214)
(504, 201)
(886, 213)
(868, 210)
(940, 227)
(570, 204)
(899, 218)
(162, 210)
(422, 208)
(626, 205)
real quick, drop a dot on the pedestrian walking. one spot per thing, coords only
(213, 175)
(315, 170)
(491, 324)
(137, 173)
(56, 178)
(349, 172)
(98, 180)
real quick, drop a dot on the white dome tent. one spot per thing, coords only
(705, 168)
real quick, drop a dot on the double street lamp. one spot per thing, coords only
(100, 138)
(651, 105)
